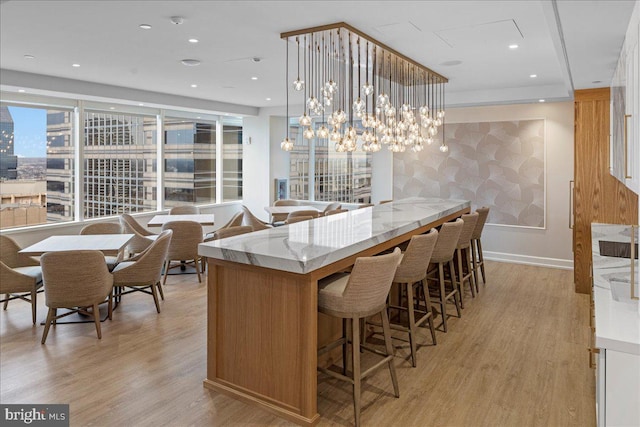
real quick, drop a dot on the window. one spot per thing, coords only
(189, 161)
(340, 177)
(232, 160)
(36, 165)
(119, 157)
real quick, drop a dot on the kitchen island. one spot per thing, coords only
(263, 324)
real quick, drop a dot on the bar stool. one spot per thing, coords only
(412, 271)
(443, 257)
(476, 246)
(353, 297)
(463, 255)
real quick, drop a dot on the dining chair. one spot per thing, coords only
(232, 231)
(353, 297)
(365, 205)
(253, 221)
(312, 213)
(105, 228)
(382, 202)
(235, 221)
(20, 275)
(142, 237)
(294, 219)
(143, 272)
(75, 280)
(331, 207)
(187, 235)
(335, 211)
(283, 202)
(184, 210)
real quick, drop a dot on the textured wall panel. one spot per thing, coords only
(496, 164)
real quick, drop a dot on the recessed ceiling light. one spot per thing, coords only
(513, 46)
(75, 65)
(193, 40)
(29, 57)
(198, 117)
(21, 90)
(190, 62)
(145, 26)
(194, 85)
(533, 76)
(451, 63)
(268, 99)
(596, 81)
(540, 100)
(141, 105)
(112, 108)
(254, 78)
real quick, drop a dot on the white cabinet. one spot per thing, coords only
(618, 389)
(625, 109)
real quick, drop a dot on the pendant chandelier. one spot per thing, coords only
(362, 93)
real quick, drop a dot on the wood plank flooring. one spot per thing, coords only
(516, 357)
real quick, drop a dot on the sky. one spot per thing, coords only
(30, 131)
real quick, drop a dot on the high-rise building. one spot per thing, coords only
(8, 161)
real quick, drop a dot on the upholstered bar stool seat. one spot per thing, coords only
(355, 296)
(441, 260)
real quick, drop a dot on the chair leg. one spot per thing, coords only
(386, 330)
(155, 297)
(166, 271)
(6, 302)
(110, 307)
(443, 302)
(460, 284)
(428, 309)
(195, 261)
(96, 319)
(472, 282)
(160, 290)
(47, 325)
(456, 296)
(355, 351)
(412, 323)
(481, 258)
(344, 347)
(474, 262)
(34, 305)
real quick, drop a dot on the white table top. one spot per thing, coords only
(160, 220)
(617, 316)
(109, 244)
(288, 209)
(305, 246)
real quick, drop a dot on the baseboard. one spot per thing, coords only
(564, 264)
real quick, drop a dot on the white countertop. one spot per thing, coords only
(617, 316)
(306, 246)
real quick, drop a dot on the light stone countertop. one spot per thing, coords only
(617, 316)
(309, 245)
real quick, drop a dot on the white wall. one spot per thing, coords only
(551, 246)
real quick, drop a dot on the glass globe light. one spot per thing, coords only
(432, 131)
(286, 144)
(340, 116)
(444, 148)
(375, 146)
(437, 122)
(406, 107)
(328, 101)
(331, 86)
(440, 114)
(358, 104)
(366, 147)
(323, 132)
(340, 148)
(429, 140)
(312, 102)
(426, 122)
(330, 120)
(308, 133)
(402, 125)
(335, 136)
(304, 120)
(298, 84)
(418, 147)
(383, 99)
(424, 110)
(352, 132)
(367, 89)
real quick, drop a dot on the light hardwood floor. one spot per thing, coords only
(516, 357)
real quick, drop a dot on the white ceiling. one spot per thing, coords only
(104, 38)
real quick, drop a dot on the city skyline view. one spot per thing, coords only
(30, 131)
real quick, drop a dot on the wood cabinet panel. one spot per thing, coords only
(599, 197)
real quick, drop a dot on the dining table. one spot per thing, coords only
(202, 219)
(108, 244)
